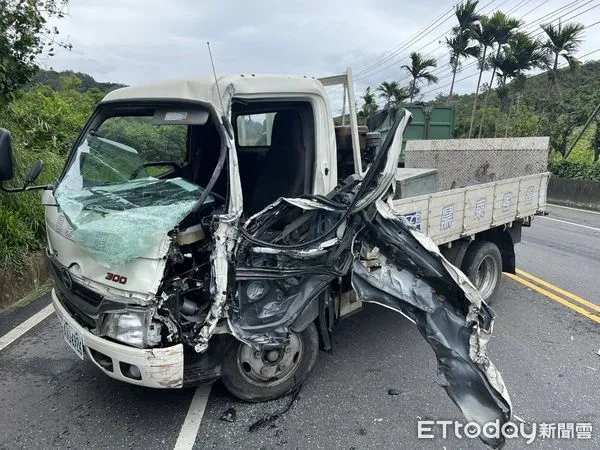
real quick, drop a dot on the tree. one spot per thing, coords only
(25, 35)
(461, 37)
(369, 106)
(563, 41)
(392, 92)
(502, 27)
(504, 66)
(566, 116)
(595, 144)
(484, 35)
(525, 54)
(459, 48)
(418, 71)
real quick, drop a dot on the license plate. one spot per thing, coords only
(74, 338)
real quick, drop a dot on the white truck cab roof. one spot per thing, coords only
(204, 89)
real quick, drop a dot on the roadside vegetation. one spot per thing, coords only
(530, 82)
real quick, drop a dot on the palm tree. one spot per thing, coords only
(459, 48)
(502, 27)
(392, 92)
(369, 106)
(461, 36)
(401, 94)
(525, 54)
(466, 16)
(418, 71)
(484, 35)
(504, 67)
(563, 41)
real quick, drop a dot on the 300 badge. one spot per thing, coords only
(116, 278)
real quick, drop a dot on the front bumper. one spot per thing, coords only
(159, 368)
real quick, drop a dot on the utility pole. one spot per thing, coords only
(583, 130)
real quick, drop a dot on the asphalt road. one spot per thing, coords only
(547, 353)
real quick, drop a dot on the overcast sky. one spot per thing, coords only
(137, 41)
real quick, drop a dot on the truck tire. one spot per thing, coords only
(258, 376)
(482, 264)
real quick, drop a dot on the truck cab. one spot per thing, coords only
(134, 223)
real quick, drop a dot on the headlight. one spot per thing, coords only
(132, 327)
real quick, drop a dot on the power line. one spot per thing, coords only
(365, 74)
(411, 40)
(549, 17)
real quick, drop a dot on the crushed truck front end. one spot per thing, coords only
(154, 367)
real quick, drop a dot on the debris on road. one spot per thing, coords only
(229, 415)
(394, 391)
(267, 420)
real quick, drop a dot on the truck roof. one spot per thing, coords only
(204, 89)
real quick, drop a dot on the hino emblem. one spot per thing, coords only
(66, 278)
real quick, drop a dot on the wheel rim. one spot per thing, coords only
(272, 366)
(486, 276)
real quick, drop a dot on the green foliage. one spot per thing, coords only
(58, 81)
(44, 124)
(575, 170)
(24, 36)
(418, 70)
(392, 92)
(535, 113)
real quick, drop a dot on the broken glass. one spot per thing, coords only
(120, 222)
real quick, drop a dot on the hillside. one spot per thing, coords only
(55, 79)
(535, 112)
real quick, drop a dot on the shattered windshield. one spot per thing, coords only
(119, 194)
(122, 149)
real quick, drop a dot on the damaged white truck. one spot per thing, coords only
(206, 229)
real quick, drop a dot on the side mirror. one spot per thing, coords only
(34, 172)
(7, 167)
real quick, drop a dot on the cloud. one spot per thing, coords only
(136, 41)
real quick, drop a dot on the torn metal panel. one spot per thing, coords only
(225, 245)
(413, 278)
(296, 247)
(292, 250)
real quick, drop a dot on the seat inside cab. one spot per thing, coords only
(276, 145)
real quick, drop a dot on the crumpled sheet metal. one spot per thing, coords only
(409, 276)
(225, 245)
(413, 278)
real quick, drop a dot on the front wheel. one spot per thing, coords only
(483, 266)
(262, 375)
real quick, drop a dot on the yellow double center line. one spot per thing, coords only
(557, 294)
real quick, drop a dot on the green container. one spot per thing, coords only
(427, 123)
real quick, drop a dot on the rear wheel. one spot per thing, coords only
(261, 375)
(482, 264)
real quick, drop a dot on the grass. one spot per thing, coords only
(43, 289)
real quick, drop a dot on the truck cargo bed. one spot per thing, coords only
(459, 213)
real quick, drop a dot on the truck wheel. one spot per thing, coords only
(258, 376)
(482, 264)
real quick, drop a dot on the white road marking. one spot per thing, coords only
(193, 419)
(23, 328)
(574, 209)
(570, 223)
